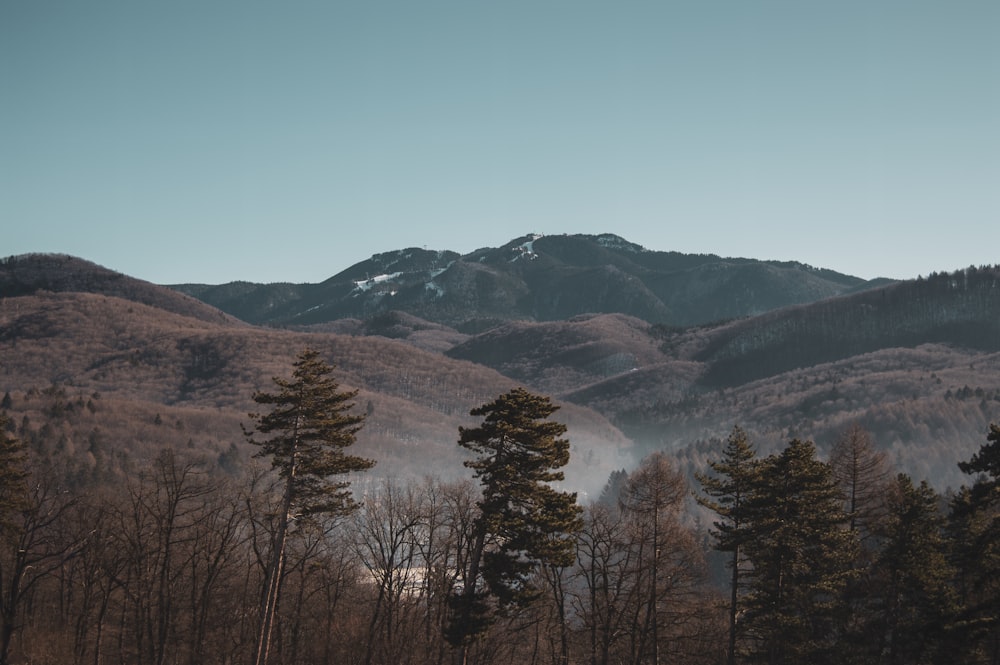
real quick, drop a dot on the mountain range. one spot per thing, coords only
(644, 350)
(535, 278)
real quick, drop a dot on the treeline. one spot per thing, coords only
(844, 562)
(169, 567)
(836, 561)
(958, 308)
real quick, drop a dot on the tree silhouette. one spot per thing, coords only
(308, 428)
(974, 525)
(728, 495)
(523, 522)
(909, 585)
(802, 557)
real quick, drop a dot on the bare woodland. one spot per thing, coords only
(169, 567)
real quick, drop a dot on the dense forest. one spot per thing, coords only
(806, 560)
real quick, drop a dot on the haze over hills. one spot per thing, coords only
(813, 352)
(917, 363)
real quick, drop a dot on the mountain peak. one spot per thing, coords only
(538, 277)
(612, 241)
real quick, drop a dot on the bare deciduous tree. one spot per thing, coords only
(862, 472)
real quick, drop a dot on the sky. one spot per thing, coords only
(194, 141)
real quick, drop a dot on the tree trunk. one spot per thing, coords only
(99, 637)
(276, 569)
(6, 636)
(733, 596)
(469, 592)
(11, 601)
(559, 598)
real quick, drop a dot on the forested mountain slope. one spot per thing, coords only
(961, 309)
(537, 278)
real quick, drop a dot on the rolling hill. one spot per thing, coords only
(102, 383)
(917, 363)
(102, 369)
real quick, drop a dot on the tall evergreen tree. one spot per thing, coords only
(612, 491)
(307, 429)
(728, 495)
(910, 583)
(522, 522)
(974, 529)
(801, 556)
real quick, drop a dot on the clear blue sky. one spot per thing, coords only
(209, 141)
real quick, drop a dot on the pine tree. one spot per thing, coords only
(728, 495)
(307, 430)
(987, 460)
(910, 583)
(801, 557)
(522, 521)
(613, 488)
(974, 530)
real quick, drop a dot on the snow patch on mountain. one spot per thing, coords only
(361, 286)
(440, 271)
(436, 290)
(526, 250)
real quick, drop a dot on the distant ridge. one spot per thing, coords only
(536, 278)
(961, 308)
(29, 274)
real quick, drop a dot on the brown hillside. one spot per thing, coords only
(34, 273)
(929, 407)
(114, 380)
(914, 362)
(563, 356)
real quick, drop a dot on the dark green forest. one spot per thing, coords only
(200, 558)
